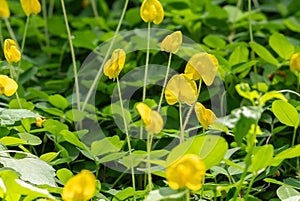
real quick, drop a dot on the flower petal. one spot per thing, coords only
(4, 10)
(172, 42)
(152, 11)
(7, 85)
(295, 62)
(202, 65)
(204, 116)
(31, 6)
(11, 51)
(115, 64)
(181, 89)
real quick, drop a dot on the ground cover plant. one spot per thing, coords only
(149, 100)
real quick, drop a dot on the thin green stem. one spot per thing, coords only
(298, 82)
(12, 74)
(105, 58)
(127, 135)
(252, 40)
(24, 34)
(51, 8)
(1, 35)
(294, 136)
(250, 186)
(192, 107)
(181, 125)
(147, 62)
(149, 144)
(187, 195)
(10, 31)
(72, 54)
(45, 23)
(165, 82)
(95, 11)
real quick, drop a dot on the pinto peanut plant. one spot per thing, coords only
(149, 100)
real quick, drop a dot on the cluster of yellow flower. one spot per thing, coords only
(188, 171)
(29, 7)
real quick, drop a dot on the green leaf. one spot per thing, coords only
(214, 41)
(64, 175)
(164, 193)
(33, 170)
(293, 24)
(16, 187)
(30, 139)
(48, 157)
(14, 104)
(280, 44)
(244, 90)
(263, 53)
(58, 101)
(285, 113)
(73, 139)
(106, 145)
(210, 148)
(240, 54)
(12, 141)
(54, 126)
(124, 194)
(10, 116)
(274, 181)
(262, 158)
(75, 115)
(136, 158)
(288, 153)
(270, 95)
(286, 193)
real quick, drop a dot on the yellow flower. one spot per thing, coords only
(152, 119)
(39, 121)
(202, 65)
(115, 64)
(295, 62)
(81, 187)
(4, 10)
(152, 11)
(181, 89)
(186, 172)
(204, 116)
(7, 86)
(31, 6)
(172, 42)
(11, 51)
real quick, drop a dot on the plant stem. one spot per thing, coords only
(192, 107)
(181, 126)
(12, 74)
(298, 82)
(250, 186)
(105, 58)
(187, 195)
(294, 136)
(72, 54)
(147, 63)
(252, 40)
(127, 135)
(10, 30)
(94, 7)
(149, 144)
(24, 34)
(45, 23)
(165, 82)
